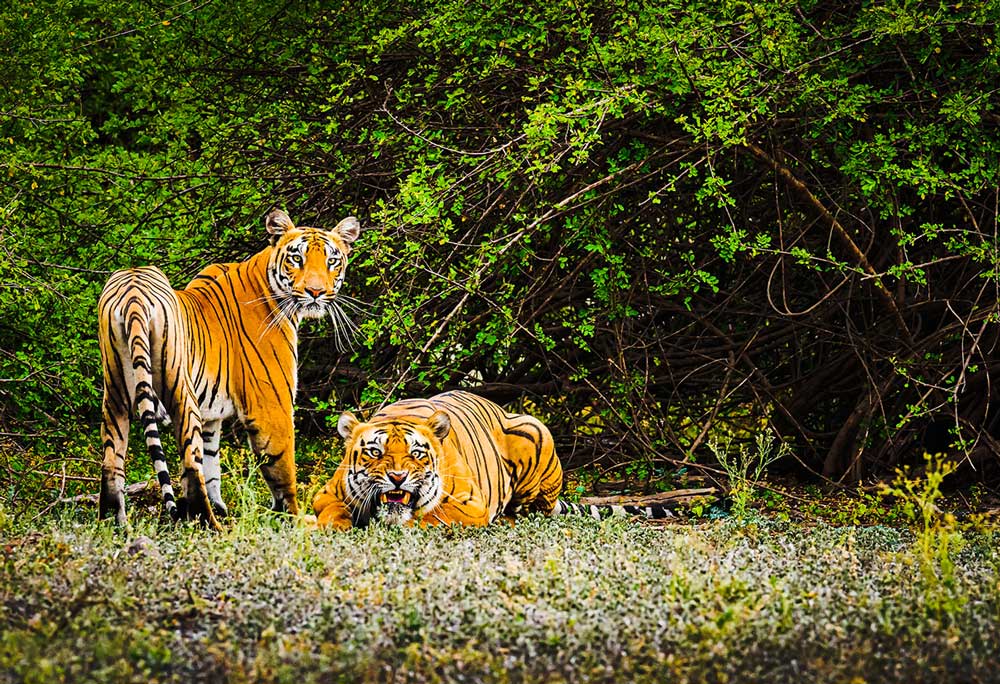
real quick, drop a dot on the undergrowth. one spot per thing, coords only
(746, 598)
(543, 600)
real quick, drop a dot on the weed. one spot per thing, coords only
(939, 535)
(546, 599)
(746, 467)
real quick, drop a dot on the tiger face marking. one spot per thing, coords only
(394, 474)
(307, 270)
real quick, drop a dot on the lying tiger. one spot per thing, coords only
(455, 458)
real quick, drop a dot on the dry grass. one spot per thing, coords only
(543, 601)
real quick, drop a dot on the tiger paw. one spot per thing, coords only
(197, 509)
(220, 509)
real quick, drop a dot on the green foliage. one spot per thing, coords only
(859, 507)
(622, 210)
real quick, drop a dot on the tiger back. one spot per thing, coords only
(453, 458)
(225, 346)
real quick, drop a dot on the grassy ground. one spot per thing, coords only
(542, 601)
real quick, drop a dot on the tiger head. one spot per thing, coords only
(393, 466)
(307, 266)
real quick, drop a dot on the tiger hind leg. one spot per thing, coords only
(194, 502)
(529, 444)
(114, 441)
(211, 467)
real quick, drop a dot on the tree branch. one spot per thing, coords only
(859, 257)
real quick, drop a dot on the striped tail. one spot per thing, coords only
(599, 511)
(147, 405)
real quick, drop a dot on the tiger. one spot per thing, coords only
(455, 458)
(224, 346)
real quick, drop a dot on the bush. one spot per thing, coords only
(661, 223)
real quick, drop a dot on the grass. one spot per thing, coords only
(542, 601)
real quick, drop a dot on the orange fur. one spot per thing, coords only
(224, 346)
(454, 458)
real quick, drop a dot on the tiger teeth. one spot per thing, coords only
(396, 496)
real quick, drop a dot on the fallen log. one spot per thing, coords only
(679, 496)
(130, 490)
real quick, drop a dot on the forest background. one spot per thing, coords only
(660, 226)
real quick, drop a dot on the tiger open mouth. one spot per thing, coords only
(396, 496)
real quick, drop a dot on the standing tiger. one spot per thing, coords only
(224, 346)
(453, 458)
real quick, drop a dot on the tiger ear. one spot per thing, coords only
(278, 223)
(346, 423)
(440, 424)
(348, 230)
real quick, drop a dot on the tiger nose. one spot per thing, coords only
(396, 477)
(314, 292)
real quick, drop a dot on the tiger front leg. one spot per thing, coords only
(332, 513)
(330, 503)
(274, 445)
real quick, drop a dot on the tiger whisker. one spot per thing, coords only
(286, 309)
(448, 495)
(460, 479)
(363, 502)
(370, 502)
(358, 503)
(344, 329)
(350, 498)
(440, 519)
(278, 309)
(355, 310)
(336, 309)
(443, 472)
(354, 305)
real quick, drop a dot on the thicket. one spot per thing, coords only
(660, 222)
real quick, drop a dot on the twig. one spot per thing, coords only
(130, 490)
(786, 174)
(433, 338)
